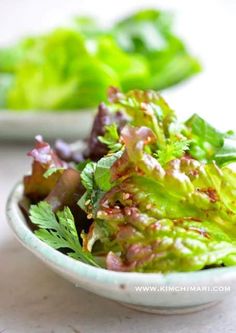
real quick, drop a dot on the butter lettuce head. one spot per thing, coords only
(72, 67)
(57, 73)
(150, 32)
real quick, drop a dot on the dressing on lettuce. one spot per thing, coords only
(156, 195)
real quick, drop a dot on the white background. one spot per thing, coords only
(208, 26)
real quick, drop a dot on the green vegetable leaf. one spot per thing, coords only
(204, 131)
(176, 217)
(96, 178)
(89, 201)
(206, 140)
(59, 231)
(88, 26)
(51, 171)
(5, 85)
(227, 153)
(173, 149)
(111, 138)
(150, 33)
(144, 31)
(146, 108)
(87, 175)
(208, 144)
(58, 72)
(80, 166)
(102, 173)
(71, 68)
(164, 202)
(11, 56)
(131, 69)
(43, 216)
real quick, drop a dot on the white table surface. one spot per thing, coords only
(34, 299)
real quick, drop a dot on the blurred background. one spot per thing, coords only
(207, 27)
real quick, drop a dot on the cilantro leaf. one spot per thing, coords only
(59, 231)
(111, 138)
(173, 149)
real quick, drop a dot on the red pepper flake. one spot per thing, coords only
(202, 232)
(183, 219)
(211, 193)
(194, 173)
(187, 157)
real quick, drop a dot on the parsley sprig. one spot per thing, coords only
(173, 149)
(111, 138)
(59, 231)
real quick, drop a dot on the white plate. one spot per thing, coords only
(68, 125)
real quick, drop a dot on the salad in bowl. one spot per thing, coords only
(143, 194)
(146, 194)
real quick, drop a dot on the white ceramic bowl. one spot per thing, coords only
(156, 293)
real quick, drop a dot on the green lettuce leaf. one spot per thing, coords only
(57, 73)
(145, 108)
(208, 144)
(111, 138)
(6, 80)
(72, 68)
(180, 217)
(154, 203)
(132, 69)
(149, 32)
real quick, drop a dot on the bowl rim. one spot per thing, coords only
(17, 223)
